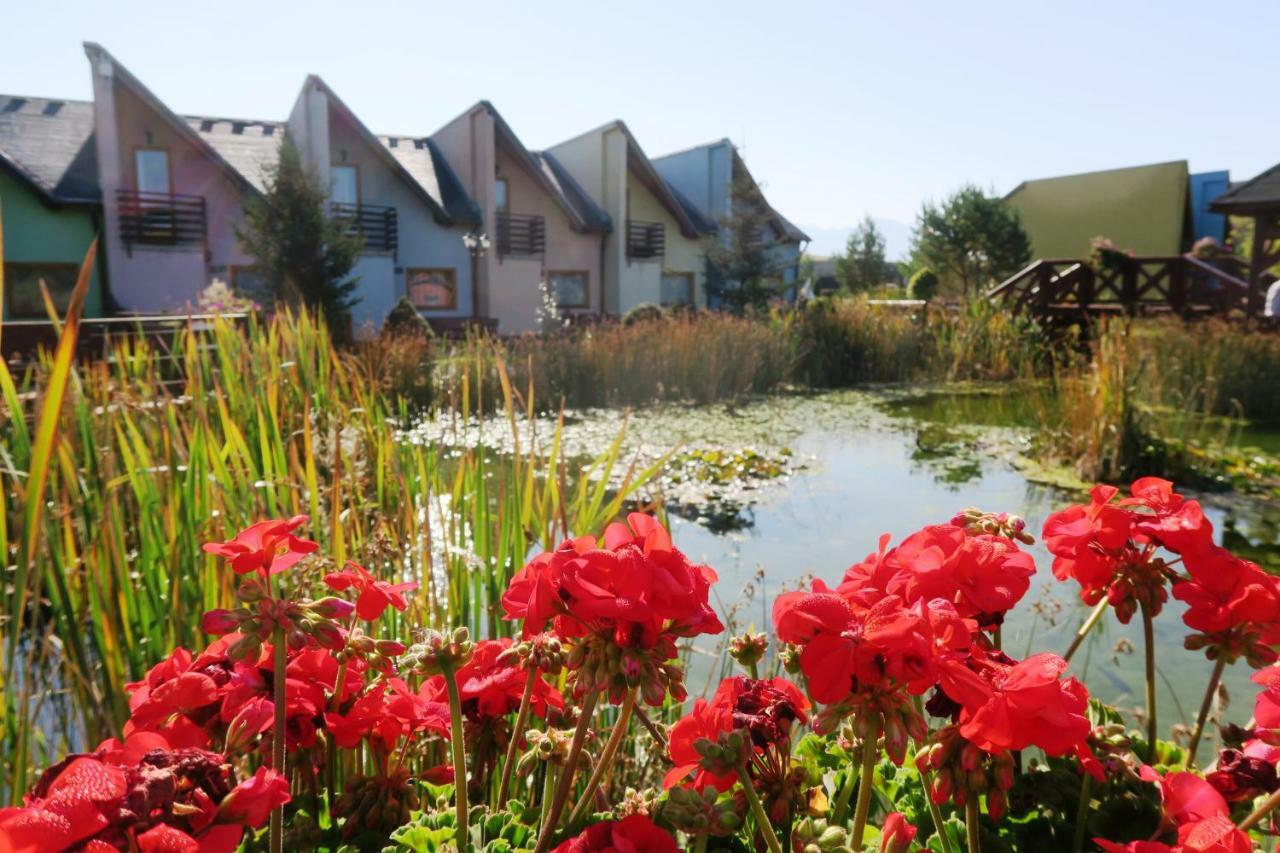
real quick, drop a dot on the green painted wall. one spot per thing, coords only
(1144, 209)
(37, 233)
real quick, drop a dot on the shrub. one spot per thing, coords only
(923, 284)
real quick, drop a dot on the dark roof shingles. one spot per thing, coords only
(50, 142)
(422, 159)
(1261, 192)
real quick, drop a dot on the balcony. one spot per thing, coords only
(160, 219)
(375, 225)
(521, 234)
(646, 239)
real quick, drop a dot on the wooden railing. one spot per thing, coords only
(375, 225)
(1070, 288)
(160, 219)
(521, 234)
(646, 239)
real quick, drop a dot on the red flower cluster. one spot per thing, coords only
(142, 795)
(765, 709)
(1232, 603)
(209, 699)
(491, 688)
(1196, 812)
(634, 834)
(375, 596)
(636, 588)
(629, 599)
(1109, 547)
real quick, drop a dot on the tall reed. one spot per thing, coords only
(266, 419)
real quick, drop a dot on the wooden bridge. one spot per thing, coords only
(1066, 291)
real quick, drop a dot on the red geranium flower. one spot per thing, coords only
(492, 689)
(634, 834)
(375, 596)
(1026, 704)
(250, 803)
(268, 547)
(1085, 539)
(707, 721)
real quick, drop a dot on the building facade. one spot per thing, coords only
(655, 253)
(412, 245)
(715, 180)
(541, 227)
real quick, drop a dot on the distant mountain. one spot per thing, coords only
(829, 241)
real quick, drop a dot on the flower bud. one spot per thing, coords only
(219, 622)
(332, 608)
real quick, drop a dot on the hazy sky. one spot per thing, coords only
(842, 108)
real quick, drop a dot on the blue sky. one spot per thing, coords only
(842, 108)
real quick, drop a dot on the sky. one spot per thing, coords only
(842, 108)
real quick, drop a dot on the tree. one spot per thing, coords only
(301, 253)
(971, 241)
(739, 267)
(923, 285)
(862, 266)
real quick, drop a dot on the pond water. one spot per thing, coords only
(857, 464)
(867, 463)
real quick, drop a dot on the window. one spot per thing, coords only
(22, 286)
(500, 197)
(151, 170)
(677, 288)
(344, 185)
(248, 282)
(570, 288)
(432, 289)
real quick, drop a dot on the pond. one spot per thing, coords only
(845, 467)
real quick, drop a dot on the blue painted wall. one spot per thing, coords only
(1205, 187)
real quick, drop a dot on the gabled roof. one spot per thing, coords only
(595, 217)
(580, 217)
(787, 231)
(422, 159)
(48, 144)
(251, 147)
(99, 54)
(1260, 193)
(642, 166)
(1141, 208)
(705, 224)
(379, 149)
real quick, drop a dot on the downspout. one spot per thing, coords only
(106, 302)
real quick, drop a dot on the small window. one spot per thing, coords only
(432, 289)
(677, 288)
(570, 288)
(151, 166)
(22, 287)
(500, 197)
(344, 185)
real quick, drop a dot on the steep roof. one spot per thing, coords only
(99, 54)
(704, 223)
(1260, 193)
(437, 209)
(49, 145)
(251, 147)
(422, 159)
(786, 230)
(1142, 208)
(593, 216)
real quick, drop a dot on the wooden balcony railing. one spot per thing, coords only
(521, 234)
(376, 225)
(160, 219)
(646, 239)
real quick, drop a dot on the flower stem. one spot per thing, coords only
(971, 824)
(456, 740)
(565, 782)
(280, 662)
(1148, 638)
(1260, 812)
(935, 811)
(1086, 628)
(753, 800)
(1205, 705)
(548, 791)
(700, 845)
(870, 753)
(1082, 812)
(517, 732)
(606, 757)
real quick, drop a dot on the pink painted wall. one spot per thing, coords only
(163, 278)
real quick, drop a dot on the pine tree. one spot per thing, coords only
(302, 254)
